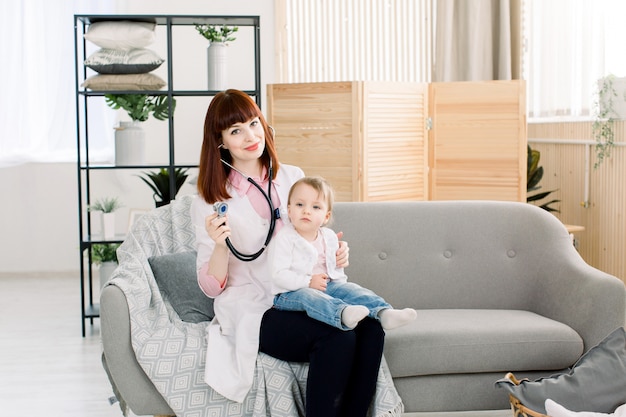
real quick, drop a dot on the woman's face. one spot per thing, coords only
(245, 141)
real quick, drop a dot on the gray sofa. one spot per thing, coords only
(498, 287)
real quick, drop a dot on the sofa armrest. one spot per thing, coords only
(590, 301)
(130, 380)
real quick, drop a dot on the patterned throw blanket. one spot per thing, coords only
(172, 352)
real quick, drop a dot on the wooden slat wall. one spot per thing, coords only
(603, 212)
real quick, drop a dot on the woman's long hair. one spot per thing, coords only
(227, 108)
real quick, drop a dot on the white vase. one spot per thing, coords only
(108, 225)
(130, 140)
(216, 66)
(105, 271)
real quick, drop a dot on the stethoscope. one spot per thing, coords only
(274, 215)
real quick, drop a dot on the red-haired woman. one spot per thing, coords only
(239, 166)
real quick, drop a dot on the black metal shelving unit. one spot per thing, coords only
(89, 308)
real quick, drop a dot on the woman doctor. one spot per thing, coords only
(237, 149)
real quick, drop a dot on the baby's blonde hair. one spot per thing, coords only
(320, 185)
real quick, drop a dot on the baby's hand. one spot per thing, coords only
(318, 282)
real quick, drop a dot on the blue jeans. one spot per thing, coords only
(327, 306)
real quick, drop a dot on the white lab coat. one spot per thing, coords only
(292, 259)
(233, 334)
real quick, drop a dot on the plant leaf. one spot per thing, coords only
(539, 196)
(139, 106)
(546, 206)
(159, 182)
(152, 186)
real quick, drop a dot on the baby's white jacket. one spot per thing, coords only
(292, 258)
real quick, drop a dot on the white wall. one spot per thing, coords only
(39, 201)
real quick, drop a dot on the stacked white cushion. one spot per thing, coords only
(119, 61)
(121, 34)
(123, 62)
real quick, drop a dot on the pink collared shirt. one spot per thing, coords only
(209, 283)
(257, 200)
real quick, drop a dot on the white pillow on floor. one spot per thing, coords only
(556, 410)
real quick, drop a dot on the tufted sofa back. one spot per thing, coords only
(454, 254)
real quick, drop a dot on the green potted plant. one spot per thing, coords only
(218, 37)
(217, 33)
(105, 256)
(129, 136)
(609, 107)
(534, 174)
(159, 182)
(107, 206)
(140, 106)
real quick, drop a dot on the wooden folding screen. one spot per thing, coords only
(478, 141)
(378, 141)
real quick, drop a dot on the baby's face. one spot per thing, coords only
(307, 209)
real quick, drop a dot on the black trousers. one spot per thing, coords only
(343, 365)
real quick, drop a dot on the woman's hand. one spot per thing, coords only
(217, 267)
(217, 228)
(343, 253)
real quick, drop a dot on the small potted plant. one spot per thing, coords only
(159, 182)
(218, 37)
(610, 106)
(107, 206)
(105, 256)
(129, 136)
(217, 33)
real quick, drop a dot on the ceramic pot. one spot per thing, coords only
(216, 66)
(105, 271)
(108, 225)
(130, 142)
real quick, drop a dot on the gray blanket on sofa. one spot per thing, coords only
(172, 352)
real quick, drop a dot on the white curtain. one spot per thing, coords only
(474, 40)
(570, 45)
(353, 40)
(37, 120)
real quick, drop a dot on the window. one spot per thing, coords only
(37, 121)
(570, 44)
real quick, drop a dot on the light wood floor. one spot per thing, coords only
(47, 368)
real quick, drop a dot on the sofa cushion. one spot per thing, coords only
(474, 341)
(112, 82)
(115, 61)
(176, 277)
(121, 34)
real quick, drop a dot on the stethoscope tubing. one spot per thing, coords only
(273, 216)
